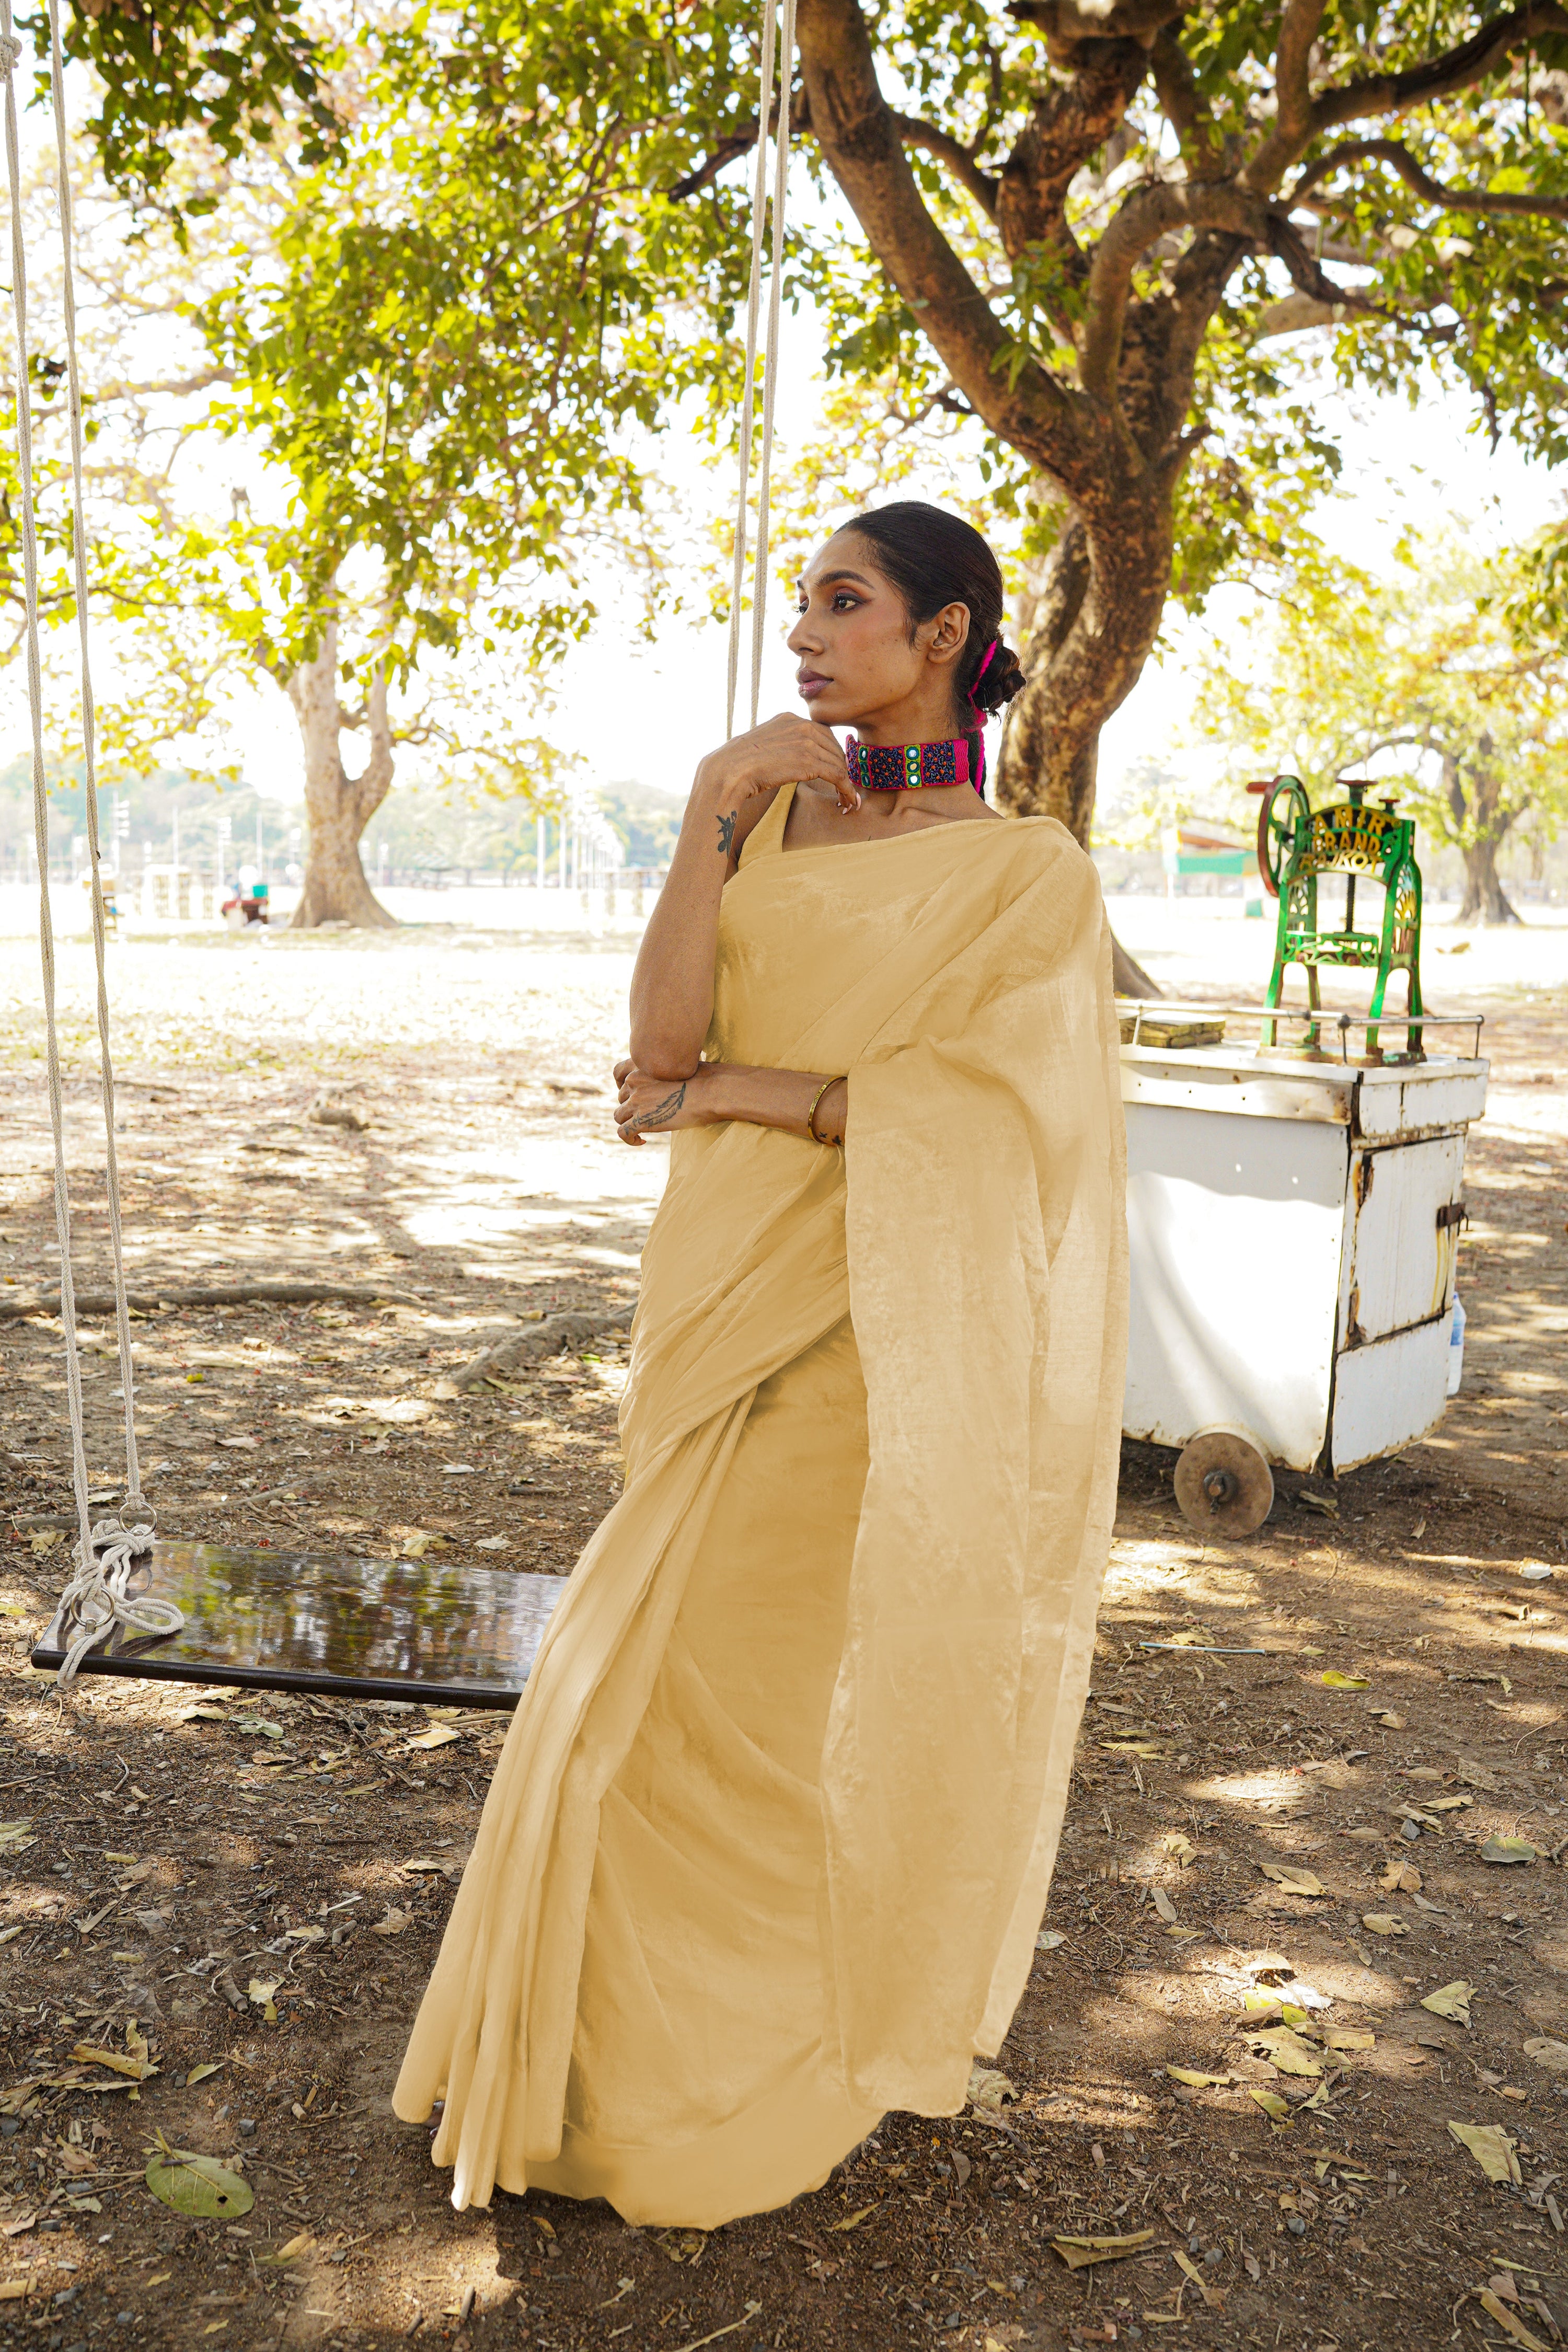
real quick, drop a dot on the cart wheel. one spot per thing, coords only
(1223, 1485)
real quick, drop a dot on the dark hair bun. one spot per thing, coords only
(1004, 679)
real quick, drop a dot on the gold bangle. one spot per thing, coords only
(811, 1114)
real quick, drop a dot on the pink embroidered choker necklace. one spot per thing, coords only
(914, 767)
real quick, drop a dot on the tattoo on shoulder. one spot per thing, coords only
(661, 1111)
(727, 833)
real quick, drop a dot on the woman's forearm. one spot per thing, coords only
(781, 1098)
(672, 985)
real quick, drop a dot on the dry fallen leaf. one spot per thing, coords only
(1190, 2075)
(261, 1990)
(1508, 1849)
(1273, 2107)
(1451, 2000)
(988, 2087)
(393, 1925)
(1346, 2037)
(301, 2244)
(1384, 1923)
(1285, 2050)
(1495, 2308)
(1293, 1882)
(200, 2073)
(1212, 2295)
(1182, 1848)
(1163, 1905)
(1391, 1722)
(440, 1736)
(1553, 2055)
(1048, 1938)
(138, 2068)
(853, 2220)
(1492, 2148)
(1079, 2253)
(1400, 1877)
(1334, 1680)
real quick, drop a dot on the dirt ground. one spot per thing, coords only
(253, 1893)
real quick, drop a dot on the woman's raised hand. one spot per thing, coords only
(788, 750)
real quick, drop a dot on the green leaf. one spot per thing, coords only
(1508, 1849)
(198, 2185)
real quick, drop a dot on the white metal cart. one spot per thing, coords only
(1294, 1225)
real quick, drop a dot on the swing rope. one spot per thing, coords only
(770, 359)
(98, 1597)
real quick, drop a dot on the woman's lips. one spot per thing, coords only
(810, 685)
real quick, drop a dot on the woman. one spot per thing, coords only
(770, 1837)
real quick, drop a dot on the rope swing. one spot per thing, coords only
(113, 1554)
(98, 1597)
(770, 357)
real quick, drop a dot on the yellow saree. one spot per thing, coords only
(771, 1836)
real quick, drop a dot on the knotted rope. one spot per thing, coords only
(97, 1595)
(770, 357)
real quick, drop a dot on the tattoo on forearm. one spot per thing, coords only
(727, 833)
(661, 1111)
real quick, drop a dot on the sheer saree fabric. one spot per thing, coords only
(769, 1843)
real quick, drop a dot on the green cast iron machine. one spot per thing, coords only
(1296, 843)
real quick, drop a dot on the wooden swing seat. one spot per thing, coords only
(299, 1621)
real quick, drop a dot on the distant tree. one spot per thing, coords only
(1423, 681)
(436, 657)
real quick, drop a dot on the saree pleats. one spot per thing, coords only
(772, 1831)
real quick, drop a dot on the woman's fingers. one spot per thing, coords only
(621, 1071)
(785, 750)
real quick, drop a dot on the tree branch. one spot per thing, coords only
(1189, 114)
(1395, 93)
(1076, 114)
(198, 382)
(739, 142)
(1150, 213)
(1066, 22)
(1308, 276)
(1293, 111)
(862, 145)
(958, 159)
(1294, 312)
(1431, 191)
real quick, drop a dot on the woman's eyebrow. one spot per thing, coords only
(826, 579)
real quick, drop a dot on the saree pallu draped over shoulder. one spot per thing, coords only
(770, 1837)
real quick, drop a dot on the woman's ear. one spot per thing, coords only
(949, 634)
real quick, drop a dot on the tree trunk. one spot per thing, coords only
(1479, 812)
(1485, 902)
(1084, 655)
(337, 806)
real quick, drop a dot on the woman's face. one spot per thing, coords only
(857, 665)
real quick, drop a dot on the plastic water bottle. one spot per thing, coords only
(1456, 1346)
